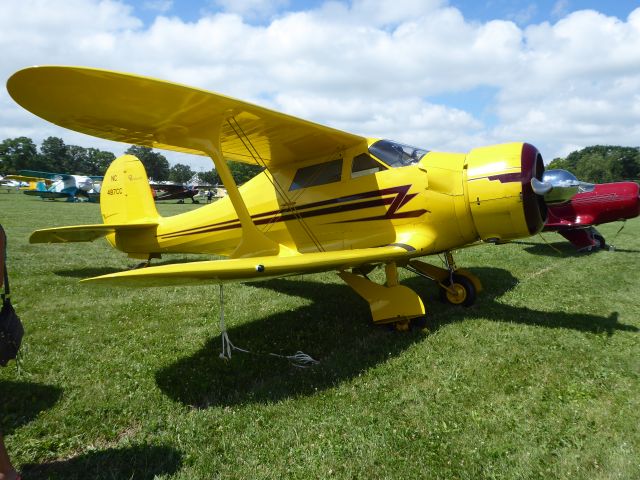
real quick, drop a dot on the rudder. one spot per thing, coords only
(125, 195)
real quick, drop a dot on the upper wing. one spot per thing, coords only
(28, 178)
(38, 174)
(154, 113)
(256, 268)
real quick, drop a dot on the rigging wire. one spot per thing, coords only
(624, 223)
(549, 245)
(290, 205)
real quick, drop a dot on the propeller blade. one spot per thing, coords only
(540, 188)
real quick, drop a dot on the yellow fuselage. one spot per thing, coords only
(449, 199)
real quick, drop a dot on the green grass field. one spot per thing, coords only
(538, 380)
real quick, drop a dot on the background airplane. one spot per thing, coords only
(326, 200)
(173, 191)
(66, 186)
(594, 204)
(22, 182)
(10, 183)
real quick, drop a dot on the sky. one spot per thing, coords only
(446, 75)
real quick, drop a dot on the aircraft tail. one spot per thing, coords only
(127, 207)
(126, 196)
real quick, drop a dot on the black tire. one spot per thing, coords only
(466, 292)
(418, 323)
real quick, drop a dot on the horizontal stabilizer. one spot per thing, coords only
(255, 268)
(84, 233)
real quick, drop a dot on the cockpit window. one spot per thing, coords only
(396, 154)
(586, 187)
(313, 175)
(363, 165)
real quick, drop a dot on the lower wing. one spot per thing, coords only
(257, 268)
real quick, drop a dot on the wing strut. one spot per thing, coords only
(254, 243)
(253, 152)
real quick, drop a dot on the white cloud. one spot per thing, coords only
(161, 6)
(579, 83)
(560, 9)
(524, 15)
(393, 12)
(252, 9)
(366, 67)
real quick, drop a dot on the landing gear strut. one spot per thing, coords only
(457, 285)
(146, 257)
(598, 240)
(397, 305)
(391, 303)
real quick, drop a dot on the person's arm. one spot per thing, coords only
(7, 472)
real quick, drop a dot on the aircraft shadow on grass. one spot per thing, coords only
(88, 272)
(561, 249)
(335, 329)
(139, 462)
(21, 402)
(496, 282)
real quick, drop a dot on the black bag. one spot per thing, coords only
(11, 329)
(11, 332)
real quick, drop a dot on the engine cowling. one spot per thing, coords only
(501, 199)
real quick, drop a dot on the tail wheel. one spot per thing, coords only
(460, 292)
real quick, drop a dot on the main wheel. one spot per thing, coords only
(600, 243)
(460, 292)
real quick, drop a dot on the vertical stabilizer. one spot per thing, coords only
(126, 195)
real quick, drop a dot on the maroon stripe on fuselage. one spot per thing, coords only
(335, 205)
(507, 177)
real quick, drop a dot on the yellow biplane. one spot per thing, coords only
(326, 199)
(24, 182)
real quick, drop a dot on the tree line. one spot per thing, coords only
(55, 156)
(602, 164)
(596, 164)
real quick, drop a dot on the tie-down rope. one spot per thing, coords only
(299, 359)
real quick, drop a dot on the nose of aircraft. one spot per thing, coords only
(500, 189)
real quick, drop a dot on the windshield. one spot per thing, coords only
(396, 154)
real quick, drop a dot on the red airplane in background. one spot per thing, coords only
(592, 205)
